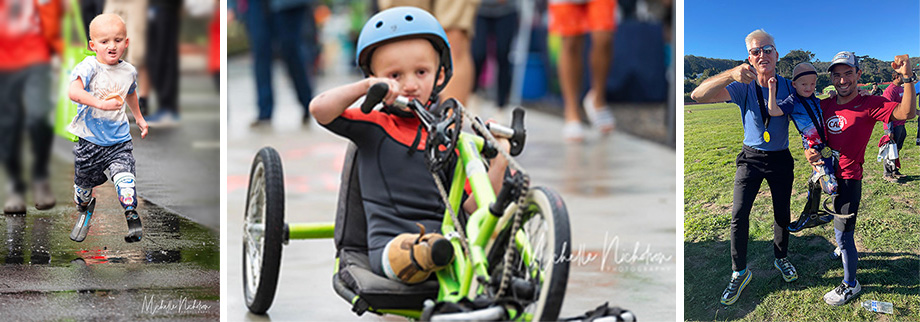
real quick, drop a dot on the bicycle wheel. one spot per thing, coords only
(545, 223)
(262, 230)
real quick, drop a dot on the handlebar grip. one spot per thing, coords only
(375, 94)
(520, 134)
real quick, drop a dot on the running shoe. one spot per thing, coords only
(737, 284)
(600, 117)
(842, 293)
(573, 132)
(786, 268)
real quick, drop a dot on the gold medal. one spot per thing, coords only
(766, 136)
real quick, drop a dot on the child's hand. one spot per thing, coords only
(390, 98)
(142, 124)
(110, 105)
(772, 84)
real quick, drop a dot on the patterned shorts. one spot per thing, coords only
(92, 160)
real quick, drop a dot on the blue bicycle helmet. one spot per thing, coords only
(402, 23)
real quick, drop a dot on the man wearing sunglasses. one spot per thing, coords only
(764, 155)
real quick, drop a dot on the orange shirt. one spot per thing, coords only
(22, 43)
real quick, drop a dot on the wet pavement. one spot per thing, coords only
(619, 191)
(173, 273)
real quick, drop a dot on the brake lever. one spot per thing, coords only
(378, 91)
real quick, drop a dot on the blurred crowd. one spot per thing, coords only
(584, 53)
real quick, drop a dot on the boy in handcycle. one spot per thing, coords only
(405, 48)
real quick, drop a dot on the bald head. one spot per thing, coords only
(107, 23)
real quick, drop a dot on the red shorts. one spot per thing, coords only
(572, 19)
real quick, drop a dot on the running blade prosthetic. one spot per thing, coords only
(135, 231)
(78, 234)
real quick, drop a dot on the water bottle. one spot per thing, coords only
(877, 306)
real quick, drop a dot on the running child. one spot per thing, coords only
(101, 86)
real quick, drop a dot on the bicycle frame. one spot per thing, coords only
(456, 280)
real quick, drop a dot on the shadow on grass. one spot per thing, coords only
(707, 270)
(908, 179)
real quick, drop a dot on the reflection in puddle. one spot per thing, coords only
(43, 239)
(37, 243)
(585, 170)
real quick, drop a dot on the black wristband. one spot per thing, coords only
(911, 79)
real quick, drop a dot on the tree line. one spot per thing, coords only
(697, 69)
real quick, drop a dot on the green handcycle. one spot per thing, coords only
(509, 255)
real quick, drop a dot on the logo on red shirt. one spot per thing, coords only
(836, 123)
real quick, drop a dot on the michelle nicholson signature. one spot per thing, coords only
(183, 304)
(613, 254)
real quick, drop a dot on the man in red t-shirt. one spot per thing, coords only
(27, 37)
(849, 119)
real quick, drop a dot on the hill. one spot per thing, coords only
(697, 69)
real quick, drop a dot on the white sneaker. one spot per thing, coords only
(573, 132)
(600, 117)
(842, 294)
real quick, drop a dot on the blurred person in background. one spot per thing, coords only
(89, 9)
(458, 18)
(29, 35)
(162, 59)
(894, 130)
(572, 19)
(214, 46)
(496, 20)
(134, 12)
(271, 23)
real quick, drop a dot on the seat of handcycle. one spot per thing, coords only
(354, 280)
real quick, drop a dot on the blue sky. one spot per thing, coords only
(880, 29)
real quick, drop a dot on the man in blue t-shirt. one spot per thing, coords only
(764, 155)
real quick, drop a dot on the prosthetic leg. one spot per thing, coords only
(812, 215)
(822, 179)
(411, 258)
(86, 205)
(125, 186)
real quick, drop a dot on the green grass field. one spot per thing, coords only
(887, 233)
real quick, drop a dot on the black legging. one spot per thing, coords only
(89, 9)
(753, 166)
(503, 29)
(163, 53)
(25, 105)
(849, 194)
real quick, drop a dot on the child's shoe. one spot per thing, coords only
(135, 231)
(413, 257)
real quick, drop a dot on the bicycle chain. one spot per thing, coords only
(522, 198)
